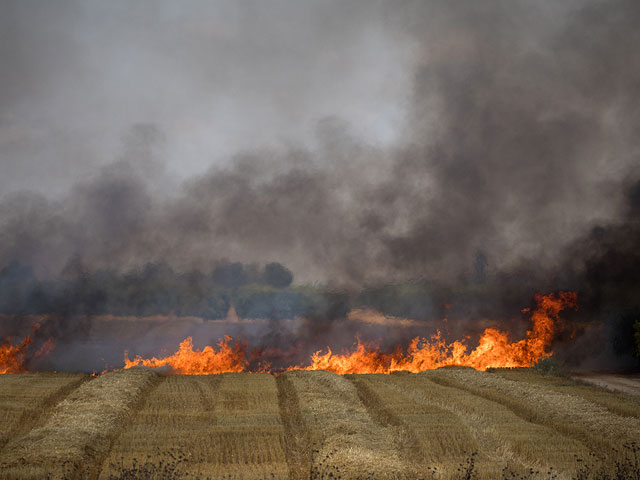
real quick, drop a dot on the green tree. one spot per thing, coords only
(277, 275)
(229, 275)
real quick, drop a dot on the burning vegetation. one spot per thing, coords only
(12, 356)
(227, 357)
(494, 350)
(423, 170)
(498, 182)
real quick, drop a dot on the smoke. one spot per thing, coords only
(360, 143)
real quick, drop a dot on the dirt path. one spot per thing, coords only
(622, 383)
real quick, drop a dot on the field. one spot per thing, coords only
(448, 423)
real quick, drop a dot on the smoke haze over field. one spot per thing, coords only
(353, 141)
(361, 143)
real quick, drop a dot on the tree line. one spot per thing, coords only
(157, 289)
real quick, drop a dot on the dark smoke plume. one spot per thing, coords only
(515, 167)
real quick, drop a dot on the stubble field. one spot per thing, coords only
(448, 423)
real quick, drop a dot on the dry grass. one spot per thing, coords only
(603, 431)
(25, 399)
(78, 431)
(501, 438)
(616, 402)
(300, 425)
(297, 436)
(436, 440)
(346, 441)
(221, 426)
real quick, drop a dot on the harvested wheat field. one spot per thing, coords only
(449, 423)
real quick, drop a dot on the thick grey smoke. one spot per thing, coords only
(216, 77)
(438, 130)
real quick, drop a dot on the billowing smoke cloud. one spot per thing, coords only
(498, 136)
(522, 129)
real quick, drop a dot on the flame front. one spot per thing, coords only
(12, 357)
(493, 351)
(227, 358)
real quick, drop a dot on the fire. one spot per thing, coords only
(46, 348)
(227, 358)
(12, 357)
(494, 348)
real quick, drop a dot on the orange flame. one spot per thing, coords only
(228, 358)
(46, 348)
(494, 349)
(12, 356)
